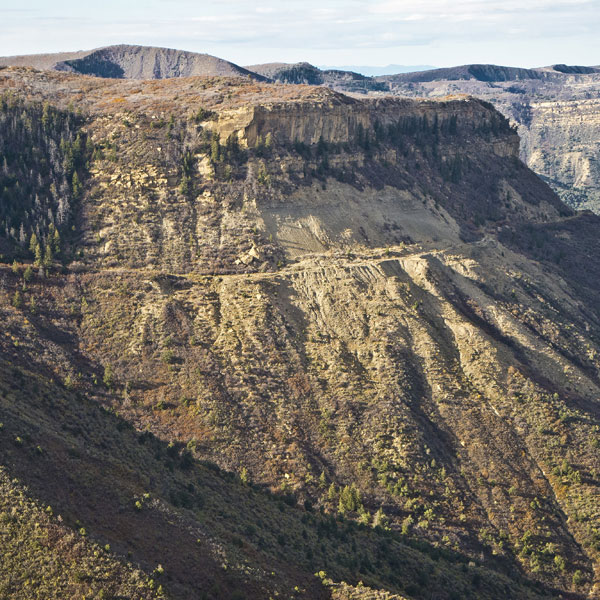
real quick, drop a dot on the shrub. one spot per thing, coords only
(168, 356)
(108, 378)
(560, 563)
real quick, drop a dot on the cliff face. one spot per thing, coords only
(342, 120)
(561, 143)
(556, 114)
(371, 308)
(232, 216)
(553, 107)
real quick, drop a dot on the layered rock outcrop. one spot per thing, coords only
(556, 113)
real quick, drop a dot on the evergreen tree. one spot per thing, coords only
(322, 480)
(76, 185)
(56, 242)
(39, 257)
(33, 243)
(332, 492)
(48, 256)
(17, 301)
(380, 520)
(215, 149)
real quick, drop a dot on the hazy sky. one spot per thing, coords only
(359, 32)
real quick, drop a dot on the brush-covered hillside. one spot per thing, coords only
(263, 340)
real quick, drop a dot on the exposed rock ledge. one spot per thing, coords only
(340, 120)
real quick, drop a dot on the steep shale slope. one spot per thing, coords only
(283, 332)
(555, 108)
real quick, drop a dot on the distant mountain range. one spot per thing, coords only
(371, 71)
(305, 73)
(492, 73)
(148, 62)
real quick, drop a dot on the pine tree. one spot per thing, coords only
(184, 186)
(48, 256)
(215, 149)
(22, 236)
(350, 499)
(322, 480)
(244, 476)
(46, 116)
(332, 492)
(76, 185)
(33, 243)
(38, 255)
(17, 301)
(364, 517)
(56, 242)
(380, 520)
(108, 379)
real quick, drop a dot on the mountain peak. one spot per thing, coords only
(125, 61)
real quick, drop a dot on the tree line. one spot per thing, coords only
(43, 158)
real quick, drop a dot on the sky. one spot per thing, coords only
(442, 33)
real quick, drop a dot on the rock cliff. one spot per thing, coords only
(555, 111)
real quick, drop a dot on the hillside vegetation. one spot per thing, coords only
(295, 344)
